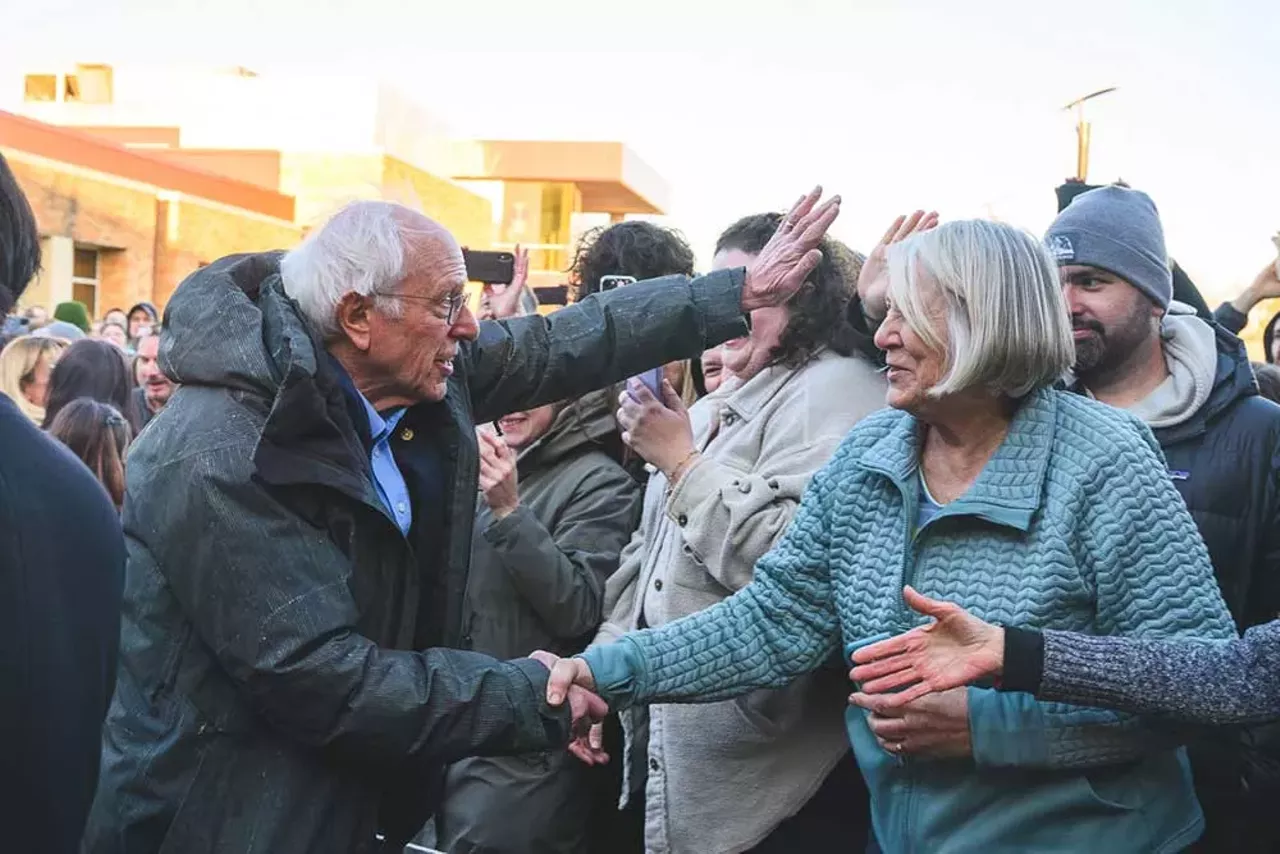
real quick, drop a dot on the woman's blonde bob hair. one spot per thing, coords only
(1008, 327)
(18, 362)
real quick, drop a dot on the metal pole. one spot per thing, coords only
(1083, 129)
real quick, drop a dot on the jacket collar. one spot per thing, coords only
(314, 434)
(1233, 381)
(1009, 489)
(749, 399)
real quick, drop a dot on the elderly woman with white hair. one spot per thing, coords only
(983, 484)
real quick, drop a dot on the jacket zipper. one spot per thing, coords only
(911, 510)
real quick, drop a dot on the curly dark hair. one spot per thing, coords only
(826, 313)
(638, 249)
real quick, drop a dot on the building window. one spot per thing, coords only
(84, 279)
(40, 87)
(91, 84)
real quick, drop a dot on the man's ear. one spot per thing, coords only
(354, 317)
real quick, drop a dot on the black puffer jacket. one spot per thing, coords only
(1225, 460)
(271, 695)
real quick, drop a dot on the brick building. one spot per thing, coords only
(119, 226)
(284, 151)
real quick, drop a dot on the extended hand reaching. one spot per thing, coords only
(572, 679)
(791, 254)
(954, 650)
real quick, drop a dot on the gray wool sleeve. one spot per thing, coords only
(1209, 682)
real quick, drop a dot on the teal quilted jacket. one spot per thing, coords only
(1073, 524)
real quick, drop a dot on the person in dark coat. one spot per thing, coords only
(550, 526)
(143, 320)
(1190, 381)
(61, 575)
(299, 528)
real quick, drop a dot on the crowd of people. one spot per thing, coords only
(933, 548)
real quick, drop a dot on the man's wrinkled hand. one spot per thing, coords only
(935, 726)
(791, 254)
(571, 680)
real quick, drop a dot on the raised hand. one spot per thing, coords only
(571, 681)
(791, 254)
(873, 281)
(506, 302)
(657, 430)
(498, 479)
(954, 650)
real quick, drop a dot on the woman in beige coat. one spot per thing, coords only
(729, 473)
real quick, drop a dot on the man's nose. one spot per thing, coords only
(465, 328)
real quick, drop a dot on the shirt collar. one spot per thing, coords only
(380, 426)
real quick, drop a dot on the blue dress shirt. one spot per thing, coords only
(391, 485)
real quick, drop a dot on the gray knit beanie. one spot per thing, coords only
(1118, 230)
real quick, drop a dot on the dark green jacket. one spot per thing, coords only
(537, 582)
(286, 681)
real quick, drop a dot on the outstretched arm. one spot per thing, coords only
(1199, 682)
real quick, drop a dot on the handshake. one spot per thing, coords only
(571, 681)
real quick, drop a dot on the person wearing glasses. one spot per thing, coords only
(295, 672)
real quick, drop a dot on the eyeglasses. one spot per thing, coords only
(451, 303)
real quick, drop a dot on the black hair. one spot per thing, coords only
(90, 368)
(1269, 338)
(826, 313)
(19, 240)
(638, 249)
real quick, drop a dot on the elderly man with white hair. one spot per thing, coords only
(293, 674)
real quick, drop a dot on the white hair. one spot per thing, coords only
(1008, 324)
(361, 250)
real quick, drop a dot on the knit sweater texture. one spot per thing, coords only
(1072, 525)
(1219, 683)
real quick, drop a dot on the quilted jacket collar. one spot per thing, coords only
(1010, 488)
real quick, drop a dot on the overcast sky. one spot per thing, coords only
(743, 105)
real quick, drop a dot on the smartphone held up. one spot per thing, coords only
(489, 268)
(652, 380)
